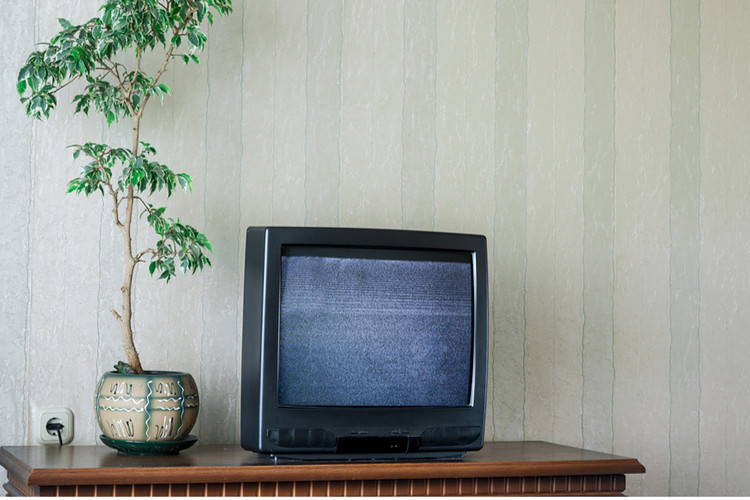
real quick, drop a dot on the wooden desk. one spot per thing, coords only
(499, 468)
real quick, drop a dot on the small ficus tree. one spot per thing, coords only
(92, 53)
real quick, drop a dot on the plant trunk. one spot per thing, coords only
(127, 306)
(126, 317)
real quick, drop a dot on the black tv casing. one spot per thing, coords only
(349, 432)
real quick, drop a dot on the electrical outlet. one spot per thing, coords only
(55, 415)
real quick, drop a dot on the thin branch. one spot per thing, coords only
(168, 56)
(115, 66)
(115, 205)
(137, 71)
(56, 90)
(116, 315)
(146, 206)
(139, 255)
(112, 70)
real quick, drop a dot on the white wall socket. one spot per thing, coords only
(62, 415)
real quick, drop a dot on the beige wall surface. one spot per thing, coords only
(601, 146)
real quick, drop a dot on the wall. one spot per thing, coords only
(600, 146)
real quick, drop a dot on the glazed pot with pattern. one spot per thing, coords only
(147, 414)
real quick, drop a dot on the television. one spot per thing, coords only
(363, 343)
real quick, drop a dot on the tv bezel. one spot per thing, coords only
(354, 429)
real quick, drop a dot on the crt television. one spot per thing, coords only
(363, 343)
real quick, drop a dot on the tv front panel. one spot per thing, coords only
(363, 343)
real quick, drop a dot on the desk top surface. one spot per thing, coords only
(38, 465)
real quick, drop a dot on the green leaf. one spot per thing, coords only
(193, 39)
(123, 368)
(25, 71)
(207, 244)
(21, 87)
(73, 185)
(185, 183)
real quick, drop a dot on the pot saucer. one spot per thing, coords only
(149, 447)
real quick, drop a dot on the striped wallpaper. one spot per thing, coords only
(600, 145)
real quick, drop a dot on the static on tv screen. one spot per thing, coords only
(363, 328)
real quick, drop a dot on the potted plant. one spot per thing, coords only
(107, 55)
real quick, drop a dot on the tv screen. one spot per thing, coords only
(389, 328)
(362, 342)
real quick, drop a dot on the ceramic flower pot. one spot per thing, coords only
(150, 413)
